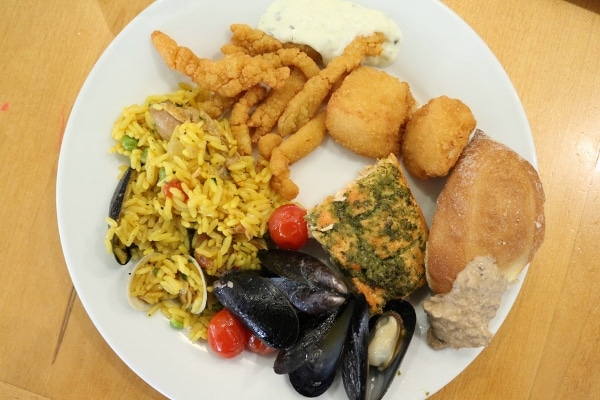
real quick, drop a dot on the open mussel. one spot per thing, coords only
(159, 278)
(375, 349)
(261, 307)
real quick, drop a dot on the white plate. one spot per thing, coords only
(440, 54)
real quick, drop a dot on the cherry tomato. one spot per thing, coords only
(226, 334)
(258, 346)
(287, 227)
(174, 183)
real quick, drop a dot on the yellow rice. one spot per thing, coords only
(226, 198)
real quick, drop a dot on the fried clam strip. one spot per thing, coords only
(215, 104)
(265, 116)
(308, 101)
(292, 149)
(246, 39)
(227, 77)
(303, 67)
(251, 41)
(240, 114)
(257, 43)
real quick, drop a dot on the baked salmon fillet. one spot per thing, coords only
(375, 231)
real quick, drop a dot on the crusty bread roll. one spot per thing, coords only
(491, 205)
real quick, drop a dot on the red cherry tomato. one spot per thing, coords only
(287, 227)
(258, 346)
(226, 334)
(174, 183)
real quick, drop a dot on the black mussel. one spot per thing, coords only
(121, 252)
(307, 346)
(388, 339)
(261, 307)
(116, 201)
(307, 298)
(397, 315)
(317, 374)
(355, 365)
(302, 267)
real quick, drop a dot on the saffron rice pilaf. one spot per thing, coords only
(192, 191)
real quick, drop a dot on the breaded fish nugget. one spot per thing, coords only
(435, 137)
(368, 111)
(228, 77)
(307, 102)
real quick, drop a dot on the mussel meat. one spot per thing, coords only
(261, 307)
(374, 354)
(158, 278)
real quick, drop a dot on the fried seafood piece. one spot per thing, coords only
(252, 41)
(255, 42)
(284, 186)
(308, 101)
(312, 53)
(368, 111)
(265, 116)
(215, 104)
(240, 113)
(375, 231)
(228, 77)
(293, 57)
(293, 149)
(267, 143)
(435, 137)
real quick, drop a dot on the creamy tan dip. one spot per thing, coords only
(461, 317)
(329, 25)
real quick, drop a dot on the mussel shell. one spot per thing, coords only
(302, 267)
(380, 380)
(306, 347)
(260, 306)
(308, 298)
(116, 202)
(362, 381)
(317, 374)
(121, 252)
(355, 364)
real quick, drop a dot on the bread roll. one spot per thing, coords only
(492, 205)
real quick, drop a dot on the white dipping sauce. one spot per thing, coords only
(329, 25)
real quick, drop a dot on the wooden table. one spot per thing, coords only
(549, 346)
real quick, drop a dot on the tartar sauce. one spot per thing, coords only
(329, 25)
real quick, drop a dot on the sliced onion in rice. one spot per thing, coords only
(151, 282)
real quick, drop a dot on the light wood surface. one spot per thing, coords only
(549, 346)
